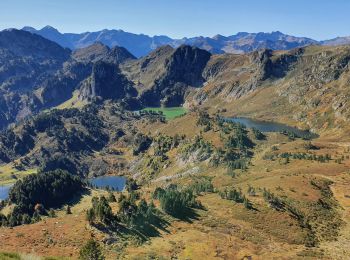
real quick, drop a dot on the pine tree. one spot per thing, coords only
(68, 210)
(91, 251)
(90, 216)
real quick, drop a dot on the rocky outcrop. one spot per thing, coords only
(60, 87)
(166, 75)
(106, 82)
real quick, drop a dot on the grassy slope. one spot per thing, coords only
(224, 229)
(73, 102)
(9, 174)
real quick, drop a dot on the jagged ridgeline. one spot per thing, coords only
(141, 45)
(306, 81)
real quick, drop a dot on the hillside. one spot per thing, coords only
(265, 195)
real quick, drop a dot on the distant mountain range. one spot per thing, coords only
(140, 44)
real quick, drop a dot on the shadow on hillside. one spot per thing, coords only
(143, 230)
(146, 231)
(188, 215)
(78, 196)
(75, 199)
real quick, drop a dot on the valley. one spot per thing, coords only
(179, 154)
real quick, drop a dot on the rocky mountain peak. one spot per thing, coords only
(98, 51)
(24, 43)
(187, 63)
(49, 28)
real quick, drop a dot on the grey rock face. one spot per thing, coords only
(181, 70)
(107, 82)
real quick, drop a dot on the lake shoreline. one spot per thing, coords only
(271, 126)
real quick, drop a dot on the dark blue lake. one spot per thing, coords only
(4, 191)
(116, 183)
(265, 126)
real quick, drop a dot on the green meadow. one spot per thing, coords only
(168, 112)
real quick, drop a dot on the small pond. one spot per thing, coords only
(265, 126)
(116, 183)
(4, 191)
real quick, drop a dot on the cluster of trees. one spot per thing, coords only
(176, 202)
(164, 143)
(251, 191)
(86, 134)
(236, 196)
(91, 251)
(237, 144)
(36, 194)
(13, 144)
(200, 185)
(101, 211)
(241, 164)
(236, 153)
(152, 115)
(93, 136)
(258, 134)
(284, 205)
(161, 144)
(63, 162)
(300, 156)
(291, 135)
(205, 120)
(151, 165)
(304, 136)
(274, 201)
(132, 214)
(239, 139)
(139, 216)
(131, 185)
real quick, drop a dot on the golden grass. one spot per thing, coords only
(224, 229)
(73, 102)
(9, 174)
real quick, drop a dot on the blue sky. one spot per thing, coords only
(318, 19)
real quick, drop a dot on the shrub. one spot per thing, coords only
(91, 251)
(258, 134)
